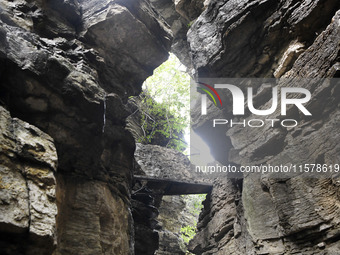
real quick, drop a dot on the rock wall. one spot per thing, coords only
(260, 214)
(28, 161)
(175, 213)
(159, 218)
(68, 68)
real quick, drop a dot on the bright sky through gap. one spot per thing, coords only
(169, 81)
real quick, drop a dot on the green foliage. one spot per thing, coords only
(159, 125)
(165, 104)
(190, 23)
(194, 202)
(197, 203)
(187, 233)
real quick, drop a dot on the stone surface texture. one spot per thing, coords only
(179, 22)
(175, 213)
(263, 214)
(28, 161)
(67, 70)
(165, 163)
(166, 215)
(68, 67)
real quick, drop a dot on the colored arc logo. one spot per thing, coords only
(209, 93)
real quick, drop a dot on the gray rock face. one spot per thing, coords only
(175, 212)
(219, 227)
(28, 161)
(261, 214)
(138, 41)
(190, 10)
(170, 218)
(164, 163)
(247, 38)
(68, 68)
(172, 212)
(179, 25)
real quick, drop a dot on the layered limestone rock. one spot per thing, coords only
(157, 219)
(175, 214)
(28, 161)
(165, 163)
(158, 215)
(261, 214)
(248, 38)
(68, 68)
(179, 15)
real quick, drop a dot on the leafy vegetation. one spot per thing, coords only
(194, 202)
(165, 105)
(187, 233)
(160, 126)
(190, 23)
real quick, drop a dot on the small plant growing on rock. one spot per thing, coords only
(164, 106)
(188, 233)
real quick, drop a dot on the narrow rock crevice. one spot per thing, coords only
(67, 71)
